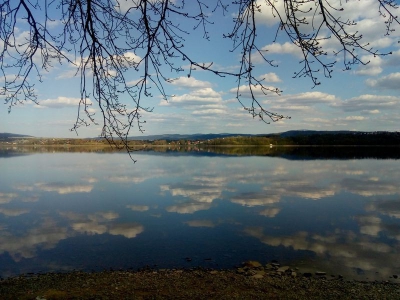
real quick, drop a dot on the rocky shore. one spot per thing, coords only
(250, 281)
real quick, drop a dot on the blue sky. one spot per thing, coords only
(364, 98)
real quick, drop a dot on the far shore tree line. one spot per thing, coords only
(317, 139)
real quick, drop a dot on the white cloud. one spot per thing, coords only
(368, 21)
(258, 91)
(140, 208)
(303, 102)
(355, 118)
(270, 77)
(369, 103)
(188, 207)
(391, 81)
(286, 48)
(62, 188)
(13, 212)
(7, 197)
(190, 82)
(129, 230)
(60, 102)
(200, 223)
(197, 97)
(253, 199)
(374, 66)
(270, 212)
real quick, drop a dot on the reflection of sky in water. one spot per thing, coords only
(91, 211)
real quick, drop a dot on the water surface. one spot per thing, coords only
(88, 211)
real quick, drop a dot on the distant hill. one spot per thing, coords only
(176, 137)
(292, 133)
(308, 137)
(210, 136)
(6, 135)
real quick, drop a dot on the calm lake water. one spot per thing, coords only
(91, 211)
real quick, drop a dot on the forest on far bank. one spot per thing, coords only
(310, 139)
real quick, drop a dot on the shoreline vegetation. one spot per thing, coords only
(296, 144)
(285, 139)
(252, 280)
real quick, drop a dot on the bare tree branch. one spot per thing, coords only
(105, 39)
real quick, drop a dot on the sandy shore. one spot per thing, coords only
(242, 283)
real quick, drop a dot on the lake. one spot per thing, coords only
(327, 212)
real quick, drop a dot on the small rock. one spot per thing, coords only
(240, 270)
(293, 274)
(275, 264)
(252, 264)
(269, 267)
(319, 273)
(214, 272)
(283, 269)
(257, 276)
(260, 272)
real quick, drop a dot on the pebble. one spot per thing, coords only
(283, 269)
(252, 264)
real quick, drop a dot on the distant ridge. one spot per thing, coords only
(196, 136)
(210, 136)
(6, 135)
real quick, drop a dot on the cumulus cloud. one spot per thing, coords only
(374, 66)
(60, 102)
(371, 186)
(270, 77)
(63, 188)
(301, 102)
(89, 227)
(355, 118)
(257, 91)
(308, 98)
(366, 14)
(286, 48)
(45, 236)
(301, 188)
(270, 212)
(128, 230)
(388, 82)
(13, 212)
(255, 199)
(342, 251)
(200, 189)
(386, 207)
(138, 207)
(190, 82)
(188, 207)
(199, 96)
(7, 197)
(369, 103)
(200, 223)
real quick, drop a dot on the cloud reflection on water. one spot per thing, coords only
(344, 212)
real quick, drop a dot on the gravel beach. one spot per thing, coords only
(252, 281)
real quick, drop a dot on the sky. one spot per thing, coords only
(364, 98)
